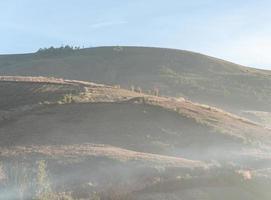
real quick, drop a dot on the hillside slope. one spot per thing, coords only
(115, 116)
(174, 72)
(121, 144)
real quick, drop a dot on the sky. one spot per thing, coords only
(234, 30)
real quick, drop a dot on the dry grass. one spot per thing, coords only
(219, 120)
(2, 174)
(84, 150)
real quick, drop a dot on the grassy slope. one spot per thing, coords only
(174, 72)
(142, 123)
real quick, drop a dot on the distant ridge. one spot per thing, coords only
(173, 72)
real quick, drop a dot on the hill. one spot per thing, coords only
(28, 96)
(176, 73)
(103, 141)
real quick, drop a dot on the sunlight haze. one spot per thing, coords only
(234, 30)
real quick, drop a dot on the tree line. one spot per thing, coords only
(57, 50)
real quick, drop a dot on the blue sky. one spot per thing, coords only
(235, 30)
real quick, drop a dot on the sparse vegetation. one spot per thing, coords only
(138, 89)
(149, 135)
(19, 181)
(197, 77)
(132, 88)
(24, 182)
(67, 98)
(2, 174)
(44, 190)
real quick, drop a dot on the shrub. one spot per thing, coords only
(44, 190)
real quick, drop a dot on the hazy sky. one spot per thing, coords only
(235, 30)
